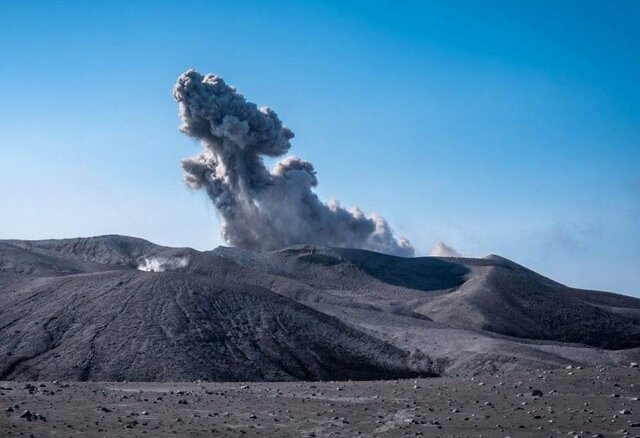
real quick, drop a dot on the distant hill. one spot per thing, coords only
(122, 308)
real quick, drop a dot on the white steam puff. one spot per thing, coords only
(161, 264)
(262, 209)
(441, 249)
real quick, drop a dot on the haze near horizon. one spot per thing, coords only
(506, 128)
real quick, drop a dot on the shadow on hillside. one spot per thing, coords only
(424, 273)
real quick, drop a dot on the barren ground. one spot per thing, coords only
(582, 402)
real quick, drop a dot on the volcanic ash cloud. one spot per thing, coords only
(264, 209)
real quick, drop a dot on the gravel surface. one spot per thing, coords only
(589, 402)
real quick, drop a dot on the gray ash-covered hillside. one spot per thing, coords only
(121, 308)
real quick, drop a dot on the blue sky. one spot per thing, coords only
(497, 127)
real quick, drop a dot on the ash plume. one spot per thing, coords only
(259, 208)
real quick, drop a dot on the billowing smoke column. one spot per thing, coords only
(262, 209)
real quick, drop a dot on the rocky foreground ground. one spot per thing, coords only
(571, 401)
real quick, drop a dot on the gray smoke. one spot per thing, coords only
(264, 209)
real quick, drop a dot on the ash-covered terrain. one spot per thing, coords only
(116, 308)
(569, 402)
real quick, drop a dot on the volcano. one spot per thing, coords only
(121, 308)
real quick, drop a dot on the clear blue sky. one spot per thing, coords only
(497, 127)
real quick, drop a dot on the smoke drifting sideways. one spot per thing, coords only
(161, 264)
(263, 209)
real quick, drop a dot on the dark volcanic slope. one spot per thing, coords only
(492, 294)
(80, 309)
(510, 299)
(111, 251)
(134, 325)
